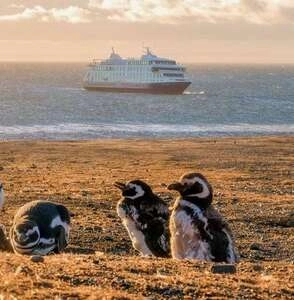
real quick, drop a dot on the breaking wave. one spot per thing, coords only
(104, 130)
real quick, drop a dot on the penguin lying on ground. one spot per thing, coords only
(145, 217)
(197, 230)
(40, 227)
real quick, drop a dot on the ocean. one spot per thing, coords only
(46, 101)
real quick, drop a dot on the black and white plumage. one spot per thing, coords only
(40, 227)
(197, 230)
(145, 217)
(2, 196)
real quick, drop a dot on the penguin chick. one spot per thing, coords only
(197, 230)
(40, 227)
(145, 217)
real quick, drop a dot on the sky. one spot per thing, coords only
(191, 31)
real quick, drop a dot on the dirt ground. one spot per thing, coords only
(253, 181)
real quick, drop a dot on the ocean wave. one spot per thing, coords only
(194, 93)
(80, 131)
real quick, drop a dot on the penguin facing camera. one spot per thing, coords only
(198, 231)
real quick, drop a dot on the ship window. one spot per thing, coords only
(173, 75)
(167, 69)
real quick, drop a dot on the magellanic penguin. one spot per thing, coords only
(197, 230)
(2, 197)
(145, 217)
(40, 227)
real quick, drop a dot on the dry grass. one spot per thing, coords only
(254, 189)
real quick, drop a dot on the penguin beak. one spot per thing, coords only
(120, 185)
(177, 186)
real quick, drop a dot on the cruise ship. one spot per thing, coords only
(149, 74)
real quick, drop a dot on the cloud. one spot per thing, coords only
(212, 11)
(160, 11)
(71, 14)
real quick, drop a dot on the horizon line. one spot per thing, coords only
(189, 63)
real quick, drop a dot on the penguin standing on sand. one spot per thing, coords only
(40, 227)
(2, 197)
(197, 230)
(145, 217)
(4, 242)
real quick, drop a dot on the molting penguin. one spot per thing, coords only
(145, 217)
(198, 231)
(2, 197)
(40, 227)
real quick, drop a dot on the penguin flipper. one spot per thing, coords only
(155, 235)
(223, 236)
(60, 239)
(64, 213)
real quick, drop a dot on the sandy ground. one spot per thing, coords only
(253, 180)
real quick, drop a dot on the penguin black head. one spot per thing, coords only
(194, 187)
(26, 234)
(134, 189)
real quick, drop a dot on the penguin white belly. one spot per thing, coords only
(186, 241)
(136, 236)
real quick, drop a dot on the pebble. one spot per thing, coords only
(257, 267)
(37, 258)
(255, 246)
(224, 269)
(235, 200)
(99, 253)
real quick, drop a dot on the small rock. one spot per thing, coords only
(1, 168)
(23, 270)
(84, 193)
(235, 200)
(257, 267)
(99, 253)
(255, 246)
(19, 270)
(224, 269)
(163, 185)
(37, 258)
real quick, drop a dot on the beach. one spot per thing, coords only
(253, 182)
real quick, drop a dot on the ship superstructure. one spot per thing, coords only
(149, 74)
